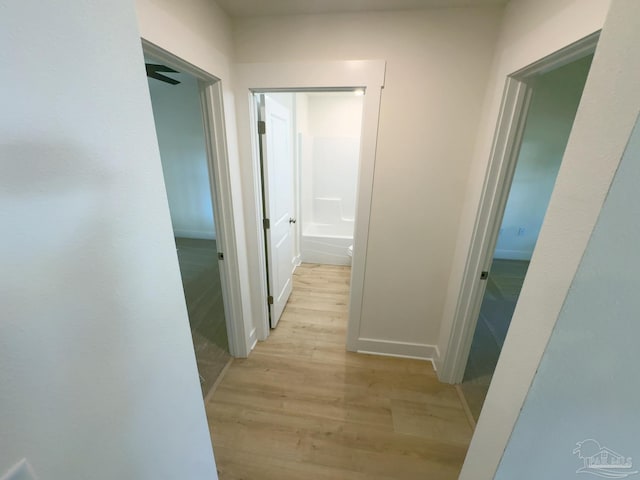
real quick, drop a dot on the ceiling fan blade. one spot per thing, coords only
(163, 78)
(152, 72)
(160, 68)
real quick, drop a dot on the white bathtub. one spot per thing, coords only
(327, 244)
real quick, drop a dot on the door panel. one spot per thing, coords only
(279, 203)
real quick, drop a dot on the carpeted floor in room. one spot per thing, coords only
(499, 302)
(198, 260)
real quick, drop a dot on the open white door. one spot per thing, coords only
(277, 164)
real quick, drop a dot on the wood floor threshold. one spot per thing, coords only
(465, 407)
(214, 387)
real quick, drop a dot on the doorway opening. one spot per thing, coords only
(554, 102)
(185, 140)
(309, 144)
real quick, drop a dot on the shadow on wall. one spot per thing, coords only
(64, 276)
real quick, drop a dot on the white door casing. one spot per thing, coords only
(238, 326)
(254, 78)
(279, 204)
(503, 160)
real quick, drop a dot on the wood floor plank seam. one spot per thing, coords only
(301, 406)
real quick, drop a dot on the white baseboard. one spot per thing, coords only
(437, 360)
(420, 351)
(326, 258)
(253, 339)
(204, 235)
(512, 254)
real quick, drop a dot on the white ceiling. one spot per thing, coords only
(250, 8)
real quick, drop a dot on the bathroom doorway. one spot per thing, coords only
(309, 144)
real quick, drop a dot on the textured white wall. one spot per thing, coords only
(437, 66)
(197, 31)
(178, 119)
(96, 362)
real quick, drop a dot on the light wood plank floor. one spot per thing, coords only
(301, 407)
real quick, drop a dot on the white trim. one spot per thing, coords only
(256, 77)
(502, 254)
(200, 234)
(420, 351)
(504, 155)
(253, 339)
(495, 192)
(218, 161)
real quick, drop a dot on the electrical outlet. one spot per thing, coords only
(20, 471)
(521, 231)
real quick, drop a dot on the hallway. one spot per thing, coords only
(303, 407)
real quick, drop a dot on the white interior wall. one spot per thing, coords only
(335, 114)
(594, 344)
(96, 361)
(199, 32)
(605, 118)
(178, 119)
(556, 96)
(437, 66)
(530, 30)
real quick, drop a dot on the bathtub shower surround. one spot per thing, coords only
(328, 127)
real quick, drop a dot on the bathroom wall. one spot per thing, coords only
(178, 120)
(553, 108)
(329, 148)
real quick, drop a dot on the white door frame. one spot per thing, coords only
(504, 155)
(219, 180)
(313, 76)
